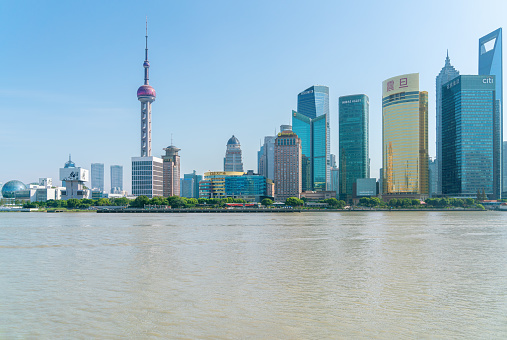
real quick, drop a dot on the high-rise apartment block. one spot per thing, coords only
(311, 123)
(490, 63)
(469, 127)
(116, 179)
(447, 73)
(353, 142)
(288, 179)
(405, 138)
(232, 159)
(97, 176)
(171, 177)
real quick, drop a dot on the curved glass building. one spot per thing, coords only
(10, 188)
(404, 138)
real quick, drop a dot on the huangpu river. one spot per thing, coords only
(320, 275)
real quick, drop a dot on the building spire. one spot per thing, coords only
(146, 63)
(447, 60)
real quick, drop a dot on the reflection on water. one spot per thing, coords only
(308, 275)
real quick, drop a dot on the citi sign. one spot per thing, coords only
(487, 81)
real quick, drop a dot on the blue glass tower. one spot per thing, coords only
(311, 124)
(353, 142)
(447, 73)
(468, 122)
(490, 63)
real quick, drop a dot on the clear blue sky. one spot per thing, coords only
(70, 71)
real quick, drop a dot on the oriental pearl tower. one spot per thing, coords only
(146, 95)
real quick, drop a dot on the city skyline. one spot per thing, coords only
(224, 69)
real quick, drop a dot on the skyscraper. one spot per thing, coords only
(147, 176)
(98, 176)
(353, 142)
(447, 73)
(468, 125)
(116, 179)
(404, 137)
(146, 170)
(232, 159)
(266, 158)
(490, 63)
(504, 170)
(311, 123)
(190, 185)
(287, 166)
(171, 168)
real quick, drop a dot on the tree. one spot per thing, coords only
(266, 202)
(341, 204)
(140, 202)
(332, 202)
(102, 202)
(293, 201)
(176, 202)
(72, 203)
(158, 200)
(121, 201)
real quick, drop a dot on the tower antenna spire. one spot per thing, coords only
(146, 63)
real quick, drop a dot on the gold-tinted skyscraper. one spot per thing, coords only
(404, 138)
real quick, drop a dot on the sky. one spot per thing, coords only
(70, 71)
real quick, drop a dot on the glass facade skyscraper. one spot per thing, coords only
(311, 123)
(404, 138)
(490, 63)
(468, 122)
(353, 142)
(98, 176)
(447, 73)
(116, 179)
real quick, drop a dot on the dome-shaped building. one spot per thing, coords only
(232, 159)
(10, 188)
(233, 140)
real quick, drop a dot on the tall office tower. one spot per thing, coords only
(468, 134)
(490, 63)
(311, 124)
(353, 142)
(335, 180)
(447, 73)
(147, 171)
(232, 159)
(266, 158)
(432, 177)
(404, 138)
(190, 185)
(98, 176)
(147, 176)
(287, 166)
(116, 179)
(504, 170)
(171, 175)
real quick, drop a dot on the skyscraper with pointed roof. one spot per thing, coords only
(447, 73)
